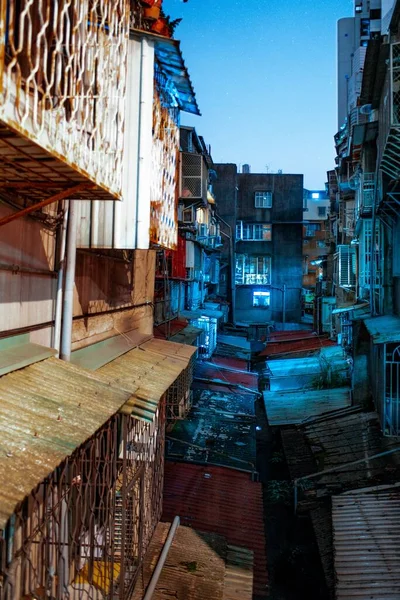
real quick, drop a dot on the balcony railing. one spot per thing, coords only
(62, 84)
(389, 126)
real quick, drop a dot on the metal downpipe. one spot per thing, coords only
(68, 301)
(163, 556)
(60, 280)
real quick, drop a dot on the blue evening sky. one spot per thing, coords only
(264, 73)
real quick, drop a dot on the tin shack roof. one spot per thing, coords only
(48, 409)
(294, 407)
(222, 501)
(366, 538)
(169, 57)
(198, 566)
(384, 330)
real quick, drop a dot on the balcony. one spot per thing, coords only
(62, 80)
(366, 195)
(390, 118)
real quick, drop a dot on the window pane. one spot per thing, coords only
(321, 211)
(261, 298)
(266, 233)
(263, 199)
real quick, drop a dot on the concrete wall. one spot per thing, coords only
(345, 48)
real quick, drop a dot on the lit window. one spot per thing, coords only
(251, 232)
(253, 270)
(263, 199)
(261, 299)
(322, 211)
(315, 195)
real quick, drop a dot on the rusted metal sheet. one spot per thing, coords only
(295, 407)
(63, 89)
(222, 501)
(47, 410)
(366, 536)
(194, 569)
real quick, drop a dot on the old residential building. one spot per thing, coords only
(89, 119)
(265, 214)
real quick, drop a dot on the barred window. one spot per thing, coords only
(253, 270)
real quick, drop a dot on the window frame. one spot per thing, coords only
(323, 209)
(246, 232)
(253, 269)
(262, 293)
(263, 199)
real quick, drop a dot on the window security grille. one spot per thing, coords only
(253, 232)
(253, 270)
(347, 266)
(193, 176)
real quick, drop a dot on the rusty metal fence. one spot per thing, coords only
(62, 80)
(83, 532)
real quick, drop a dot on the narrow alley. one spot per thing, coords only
(199, 344)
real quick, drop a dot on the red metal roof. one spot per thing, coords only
(301, 345)
(232, 363)
(282, 336)
(223, 501)
(171, 328)
(206, 370)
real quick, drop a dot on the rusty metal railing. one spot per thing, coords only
(83, 532)
(62, 80)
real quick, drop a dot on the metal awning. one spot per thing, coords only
(294, 407)
(365, 132)
(169, 56)
(384, 330)
(150, 373)
(18, 352)
(366, 538)
(197, 314)
(47, 411)
(349, 308)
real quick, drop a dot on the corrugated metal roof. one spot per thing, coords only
(203, 312)
(22, 355)
(223, 501)
(346, 438)
(149, 373)
(194, 568)
(306, 344)
(95, 356)
(294, 407)
(187, 336)
(169, 56)
(48, 409)
(366, 535)
(300, 373)
(207, 370)
(384, 329)
(171, 349)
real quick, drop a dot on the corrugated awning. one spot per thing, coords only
(152, 373)
(171, 349)
(169, 56)
(48, 410)
(294, 407)
(366, 539)
(384, 330)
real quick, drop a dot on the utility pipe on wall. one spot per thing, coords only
(66, 332)
(163, 556)
(232, 265)
(60, 280)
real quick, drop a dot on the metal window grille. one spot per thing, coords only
(390, 408)
(263, 199)
(83, 532)
(253, 270)
(347, 266)
(62, 78)
(253, 231)
(194, 176)
(179, 395)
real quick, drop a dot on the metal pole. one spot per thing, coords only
(60, 280)
(283, 306)
(66, 336)
(163, 556)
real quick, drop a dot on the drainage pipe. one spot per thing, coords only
(163, 556)
(60, 280)
(68, 301)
